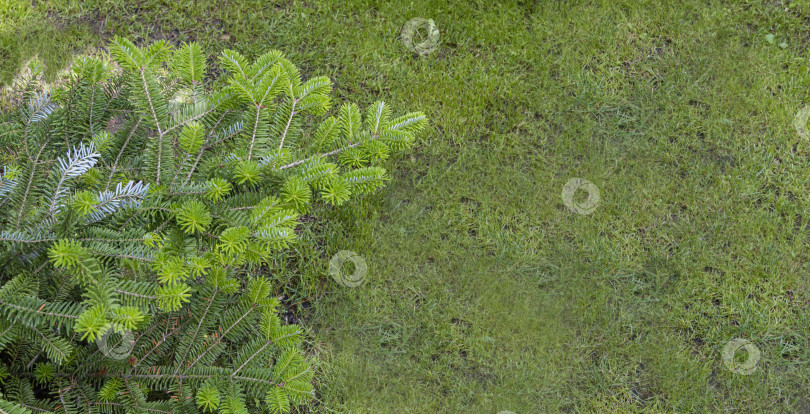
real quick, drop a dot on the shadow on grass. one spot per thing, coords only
(54, 40)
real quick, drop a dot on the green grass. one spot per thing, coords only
(484, 293)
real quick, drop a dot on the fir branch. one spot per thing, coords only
(324, 155)
(268, 343)
(120, 153)
(79, 161)
(38, 311)
(202, 319)
(219, 338)
(96, 262)
(151, 108)
(34, 163)
(289, 120)
(232, 132)
(255, 130)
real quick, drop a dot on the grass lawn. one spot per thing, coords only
(484, 293)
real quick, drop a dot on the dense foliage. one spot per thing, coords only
(138, 212)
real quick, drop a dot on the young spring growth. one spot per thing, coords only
(127, 317)
(208, 398)
(66, 254)
(247, 172)
(336, 191)
(233, 241)
(296, 194)
(216, 188)
(193, 217)
(171, 297)
(153, 240)
(93, 323)
(173, 271)
(199, 266)
(84, 203)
